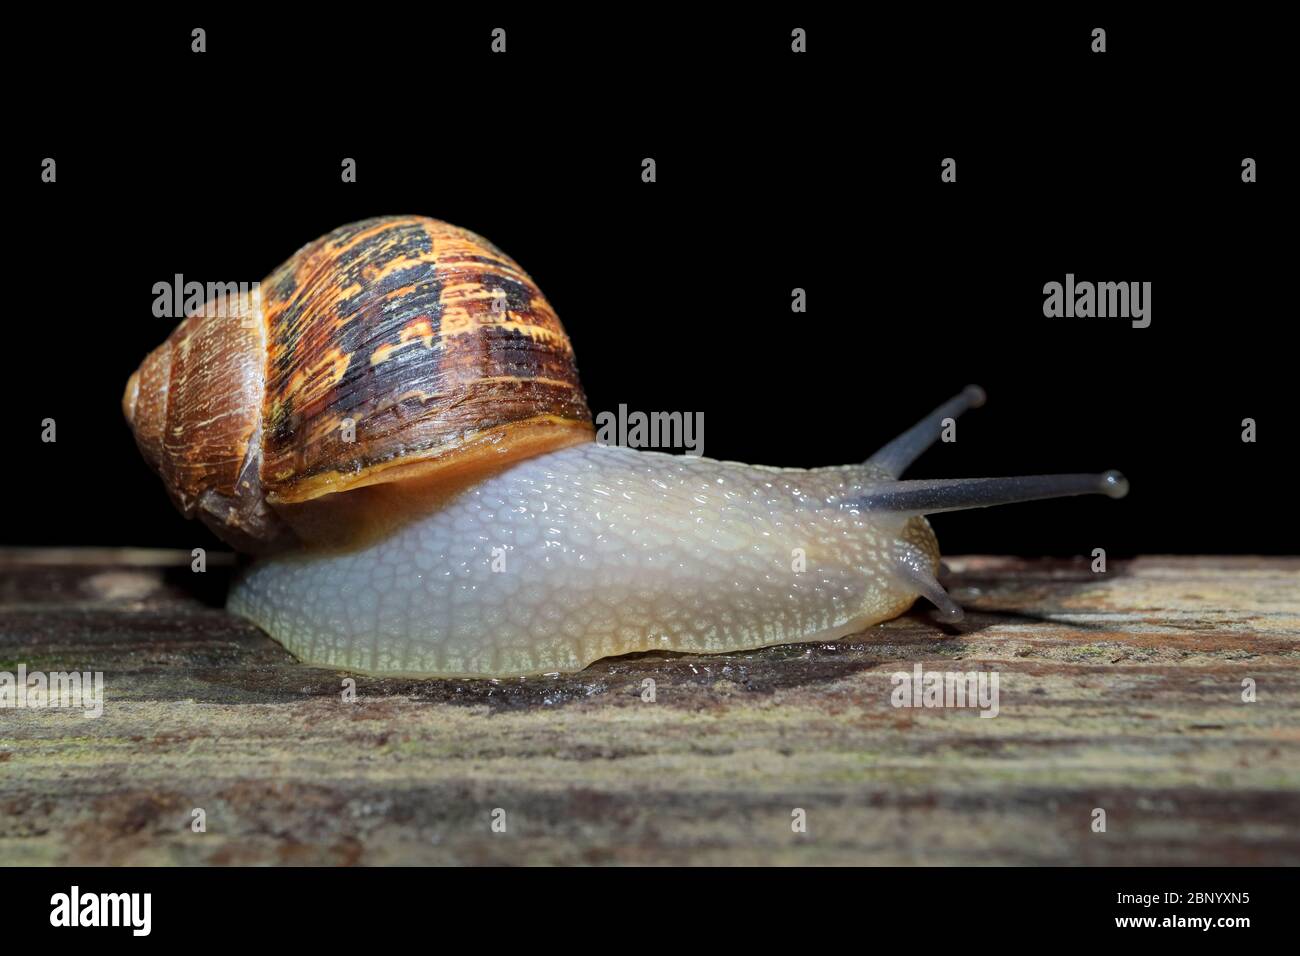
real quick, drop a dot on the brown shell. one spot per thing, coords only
(422, 342)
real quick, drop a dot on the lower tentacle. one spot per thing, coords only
(913, 572)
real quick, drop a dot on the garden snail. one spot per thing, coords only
(401, 430)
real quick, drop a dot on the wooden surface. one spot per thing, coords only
(1120, 691)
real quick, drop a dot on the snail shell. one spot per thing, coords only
(403, 415)
(391, 349)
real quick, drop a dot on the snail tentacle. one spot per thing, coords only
(932, 496)
(895, 457)
(914, 573)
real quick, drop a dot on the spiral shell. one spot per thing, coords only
(390, 349)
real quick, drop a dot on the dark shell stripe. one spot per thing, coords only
(420, 333)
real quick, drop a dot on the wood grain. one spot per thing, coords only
(1120, 691)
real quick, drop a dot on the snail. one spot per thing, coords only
(397, 430)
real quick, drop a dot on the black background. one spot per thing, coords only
(818, 171)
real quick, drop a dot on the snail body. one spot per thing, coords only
(472, 526)
(587, 552)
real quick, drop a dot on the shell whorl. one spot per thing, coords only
(195, 408)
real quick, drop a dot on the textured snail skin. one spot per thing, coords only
(599, 551)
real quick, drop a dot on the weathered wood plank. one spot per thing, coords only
(1120, 691)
